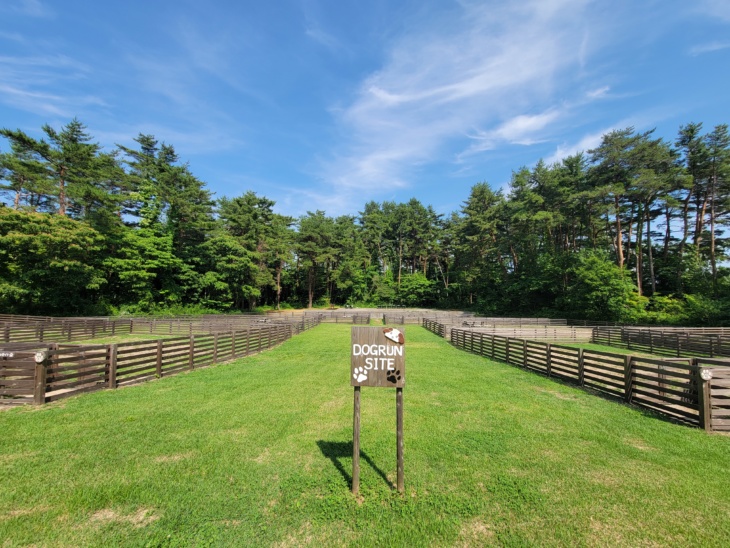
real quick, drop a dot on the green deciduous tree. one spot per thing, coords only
(49, 264)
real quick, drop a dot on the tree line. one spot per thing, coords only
(632, 230)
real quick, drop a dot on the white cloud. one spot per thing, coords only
(38, 84)
(714, 8)
(313, 31)
(598, 93)
(587, 142)
(708, 48)
(485, 69)
(33, 101)
(640, 121)
(522, 129)
(12, 37)
(30, 8)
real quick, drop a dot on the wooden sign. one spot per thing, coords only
(378, 357)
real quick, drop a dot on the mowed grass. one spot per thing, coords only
(258, 453)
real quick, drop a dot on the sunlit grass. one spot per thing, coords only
(258, 452)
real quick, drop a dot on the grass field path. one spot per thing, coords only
(258, 453)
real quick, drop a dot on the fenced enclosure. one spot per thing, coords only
(333, 316)
(673, 387)
(387, 316)
(541, 333)
(666, 341)
(16, 329)
(66, 370)
(680, 388)
(540, 328)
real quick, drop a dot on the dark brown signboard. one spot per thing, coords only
(378, 357)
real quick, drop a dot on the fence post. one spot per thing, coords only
(39, 388)
(548, 357)
(581, 368)
(233, 344)
(112, 365)
(628, 365)
(158, 364)
(704, 395)
(215, 348)
(191, 352)
(506, 351)
(679, 346)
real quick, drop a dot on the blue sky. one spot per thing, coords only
(329, 104)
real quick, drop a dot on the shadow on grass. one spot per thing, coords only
(336, 450)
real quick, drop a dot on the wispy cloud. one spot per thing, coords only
(714, 8)
(587, 142)
(708, 48)
(481, 70)
(316, 33)
(30, 8)
(12, 37)
(522, 129)
(641, 121)
(37, 84)
(598, 93)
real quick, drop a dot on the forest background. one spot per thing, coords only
(631, 231)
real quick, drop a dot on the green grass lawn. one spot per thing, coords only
(126, 337)
(258, 453)
(610, 349)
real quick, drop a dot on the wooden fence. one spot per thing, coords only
(401, 319)
(673, 387)
(66, 370)
(434, 326)
(61, 330)
(16, 329)
(676, 342)
(542, 333)
(340, 316)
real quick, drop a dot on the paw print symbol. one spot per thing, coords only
(393, 375)
(360, 374)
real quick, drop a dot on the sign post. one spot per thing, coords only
(377, 359)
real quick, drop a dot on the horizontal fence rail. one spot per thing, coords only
(672, 387)
(67, 370)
